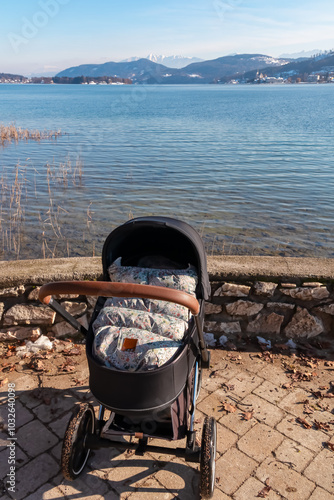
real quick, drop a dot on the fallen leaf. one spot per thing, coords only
(264, 492)
(308, 410)
(247, 415)
(37, 365)
(3, 382)
(330, 445)
(228, 387)
(321, 425)
(317, 394)
(287, 385)
(7, 367)
(304, 423)
(71, 352)
(228, 407)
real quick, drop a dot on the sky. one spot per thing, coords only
(47, 36)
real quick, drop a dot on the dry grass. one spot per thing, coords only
(18, 195)
(11, 133)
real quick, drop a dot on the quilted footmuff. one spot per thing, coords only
(142, 334)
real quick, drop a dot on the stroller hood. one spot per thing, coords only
(151, 236)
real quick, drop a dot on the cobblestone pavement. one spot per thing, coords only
(275, 420)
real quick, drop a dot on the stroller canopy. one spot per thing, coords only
(150, 236)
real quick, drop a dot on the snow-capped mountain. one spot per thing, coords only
(173, 61)
(299, 55)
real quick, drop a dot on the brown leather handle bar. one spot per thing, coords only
(110, 289)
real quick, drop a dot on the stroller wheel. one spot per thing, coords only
(74, 453)
(208, 457)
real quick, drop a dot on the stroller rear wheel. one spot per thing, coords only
(208, 457)
(74, 453)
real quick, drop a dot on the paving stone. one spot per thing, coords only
(309, 438)
(123, 474)
(161, 458)
(152, 488)
(56, 451)
(324, 462)
(270, 392)
(180, 479)
(29, 400)
(35, 438)
(265, 412)
(59, 426)
(293, 453)
(33, 475)
(236, 423)
(58, 405)
(3, 439)
(274, 374)
(250, 491)
(320, 494)
(225, 438)
(260, 441)
(218, 494)
(293, 403)
(85, 485)
(25, 383)
(212, 405)
(234, 466)
(20, 460)
(22, 415)
(210, 384)
(244, 383)
(287, 482)
(46, 492)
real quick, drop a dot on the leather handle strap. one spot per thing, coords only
(110, 289)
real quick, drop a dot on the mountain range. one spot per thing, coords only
(147, 71)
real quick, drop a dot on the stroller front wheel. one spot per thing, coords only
(208, 458)
(74, 453)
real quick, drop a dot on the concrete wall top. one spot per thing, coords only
(220, 267)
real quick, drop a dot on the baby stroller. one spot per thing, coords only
(159, 401)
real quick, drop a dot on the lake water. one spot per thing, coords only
(251, 167)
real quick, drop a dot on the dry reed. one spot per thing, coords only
(51, 226)
(11, 133)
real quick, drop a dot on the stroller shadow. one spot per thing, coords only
(43, 414)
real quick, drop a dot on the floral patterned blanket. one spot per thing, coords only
(142, 334)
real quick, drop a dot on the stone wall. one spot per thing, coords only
(274, 298)
(273, 310)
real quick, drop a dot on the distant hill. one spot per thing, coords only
(141, 71)
(146, 71)
(323, 62)
(9, 76)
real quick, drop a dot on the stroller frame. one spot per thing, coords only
(84, 432)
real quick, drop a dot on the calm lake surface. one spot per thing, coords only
(251, 167)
